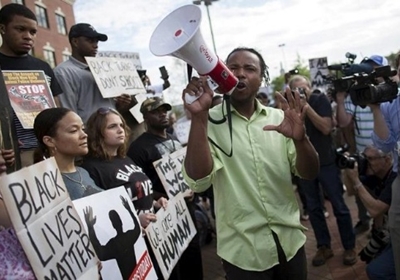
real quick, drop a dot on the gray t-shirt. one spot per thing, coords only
(80, 91)
(79, 184)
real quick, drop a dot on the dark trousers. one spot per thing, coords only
(329, 177)
(296, 268)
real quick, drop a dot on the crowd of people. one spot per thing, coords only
(258, 227)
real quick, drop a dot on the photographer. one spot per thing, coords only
(386, 135)
(373, 187)
(318, 125)
(347, 112)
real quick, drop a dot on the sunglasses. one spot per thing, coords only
(105, 110)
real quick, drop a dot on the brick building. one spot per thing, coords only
(55, 17)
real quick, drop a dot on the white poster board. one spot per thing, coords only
(169, 170)
(135, 110)
(47, 224)
(182, 129)
(171, 234)
(115, 76)
(134, 56)
(116, 235)
(318, 69)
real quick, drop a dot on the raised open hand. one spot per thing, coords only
(89, 218)
(295, 110)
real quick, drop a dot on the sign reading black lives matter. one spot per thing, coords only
(115, 76)
(318, 69)
(47, 224)
(116, 235)
(29, 94)
(169, 170)
(171, 234)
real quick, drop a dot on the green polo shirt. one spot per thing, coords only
(253, 190)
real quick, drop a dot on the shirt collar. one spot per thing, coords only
(79, 63)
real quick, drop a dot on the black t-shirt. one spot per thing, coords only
(381, 189)
(28, 62)
(148, 148)
(117, 172)
(322, 143)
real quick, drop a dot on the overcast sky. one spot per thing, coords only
(310, 29)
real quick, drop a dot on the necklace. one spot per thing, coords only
(80, 181)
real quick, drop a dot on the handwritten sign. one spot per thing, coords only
(318, 69)
(169, 170)
(47, 224)
(115, 76)
(116, 235)
(29, 94)
(134, 56)
(171, 234)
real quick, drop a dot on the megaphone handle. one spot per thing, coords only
(191, 98)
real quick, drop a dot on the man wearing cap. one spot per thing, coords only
(346, 112)
(81, 93)
(150, 147)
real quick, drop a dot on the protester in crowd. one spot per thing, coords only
(263, 98)
(157, 89)
(81, 93)
(374, 190)
(60, 133)
(109, 166)
(318, 124)
(386, 136)
(346, 113)
(150, 147)
(253, 190)
(18, 28)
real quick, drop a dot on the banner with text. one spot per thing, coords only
(29, 94)
(318, 69)
(169, 170)
(171, 234)
(134, 56)
(115, 76)
(47, 224)
(115, 232)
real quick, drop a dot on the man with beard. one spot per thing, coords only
(259, 234)
(150, 147)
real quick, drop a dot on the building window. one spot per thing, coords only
(66, 57)
(61, 25)
(50, 57)
(41, 15)
(18, 2)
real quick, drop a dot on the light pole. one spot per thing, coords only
(283, 53)
(208, 3)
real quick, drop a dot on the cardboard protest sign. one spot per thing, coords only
(114, 230)
(169, 170)
(171, 234)
(47, 224)
(135, 110)
(182, 129)
(115, 76)
(134, 56)
(29, 94)
(318, 69)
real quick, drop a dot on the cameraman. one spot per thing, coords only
(386, 136)
(346, 112)
(318, 123)
(374, 190)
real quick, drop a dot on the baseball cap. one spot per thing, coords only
(378, 59)
(153, 103)
(86, 30)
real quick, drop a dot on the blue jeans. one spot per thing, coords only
(329, 177)
(382, 267)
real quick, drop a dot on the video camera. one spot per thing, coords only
(360, 81)
(344, 161)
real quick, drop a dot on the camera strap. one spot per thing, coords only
(226, 102)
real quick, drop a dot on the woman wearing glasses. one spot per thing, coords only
(109, 166)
